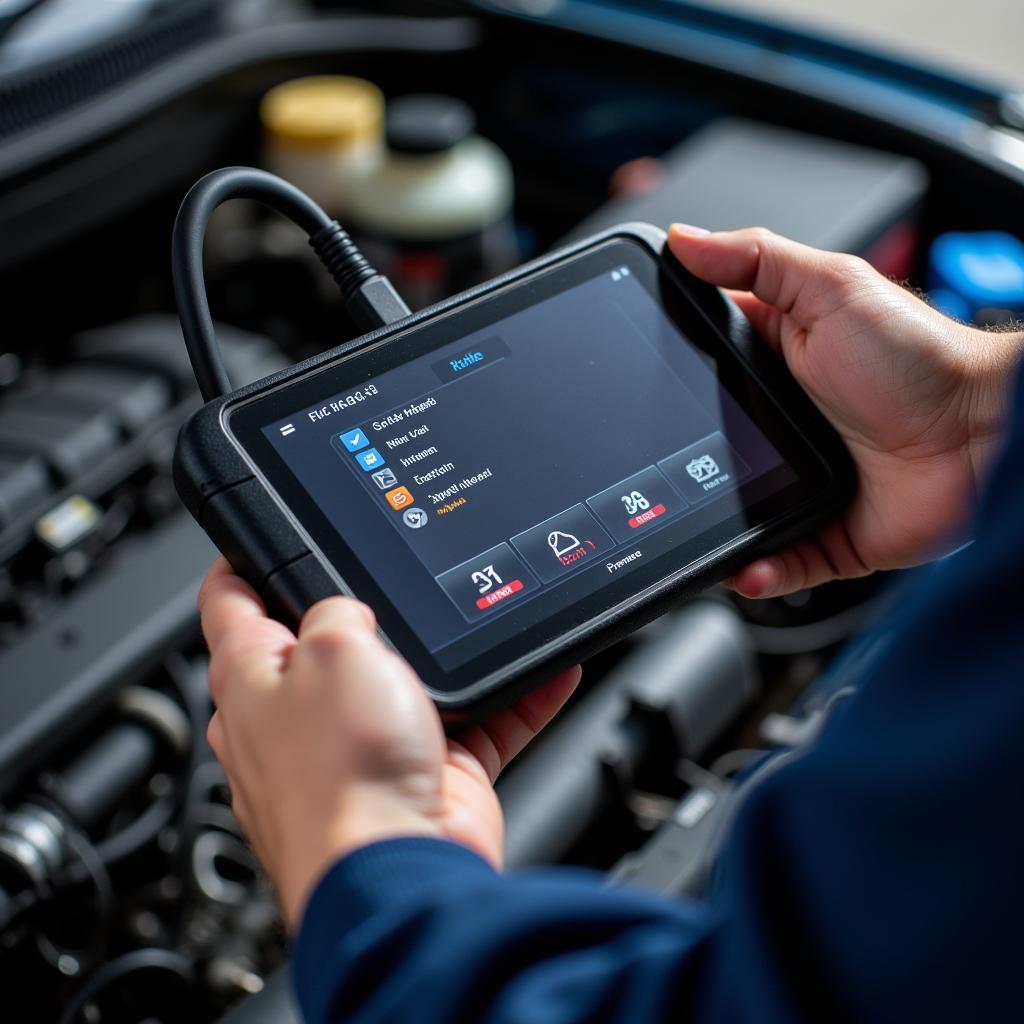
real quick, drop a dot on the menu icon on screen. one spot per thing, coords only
(399, 498)
(384, 478)
(370, 459)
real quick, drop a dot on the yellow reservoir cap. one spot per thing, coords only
(323, 111)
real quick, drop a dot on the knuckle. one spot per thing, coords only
(369, 616)
(761, 235)
(847, 269)
(763, 241)
(339, 612)
(331, 644)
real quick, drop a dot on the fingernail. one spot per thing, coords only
(689, 229)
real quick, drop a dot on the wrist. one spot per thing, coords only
(320, 840)
(992, 358)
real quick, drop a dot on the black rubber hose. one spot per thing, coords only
(162, 960)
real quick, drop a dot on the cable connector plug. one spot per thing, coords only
(369, 297)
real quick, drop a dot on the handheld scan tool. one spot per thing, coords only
(518, 476)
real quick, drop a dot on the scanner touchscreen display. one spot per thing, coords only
(514, 470)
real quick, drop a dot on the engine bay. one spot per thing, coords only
(127, 889)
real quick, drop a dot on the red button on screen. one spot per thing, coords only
(646, 517)
(500, 594)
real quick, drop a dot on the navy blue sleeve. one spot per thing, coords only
(875, 877)
(424, 930)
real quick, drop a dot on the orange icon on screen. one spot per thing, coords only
(399, 498)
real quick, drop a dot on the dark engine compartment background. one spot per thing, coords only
(138, 898)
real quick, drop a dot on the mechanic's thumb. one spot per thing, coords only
(802, 282)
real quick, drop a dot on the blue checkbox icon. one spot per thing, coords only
(370, 459)
(355, 440)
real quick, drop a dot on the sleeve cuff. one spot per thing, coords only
(368, 881)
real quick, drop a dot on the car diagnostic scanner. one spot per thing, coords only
(513, 478)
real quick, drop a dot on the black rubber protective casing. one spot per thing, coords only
(264, 543)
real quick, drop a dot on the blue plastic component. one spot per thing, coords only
(981, 270)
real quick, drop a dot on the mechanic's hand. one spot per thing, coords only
(919, 399)
(329, 741)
